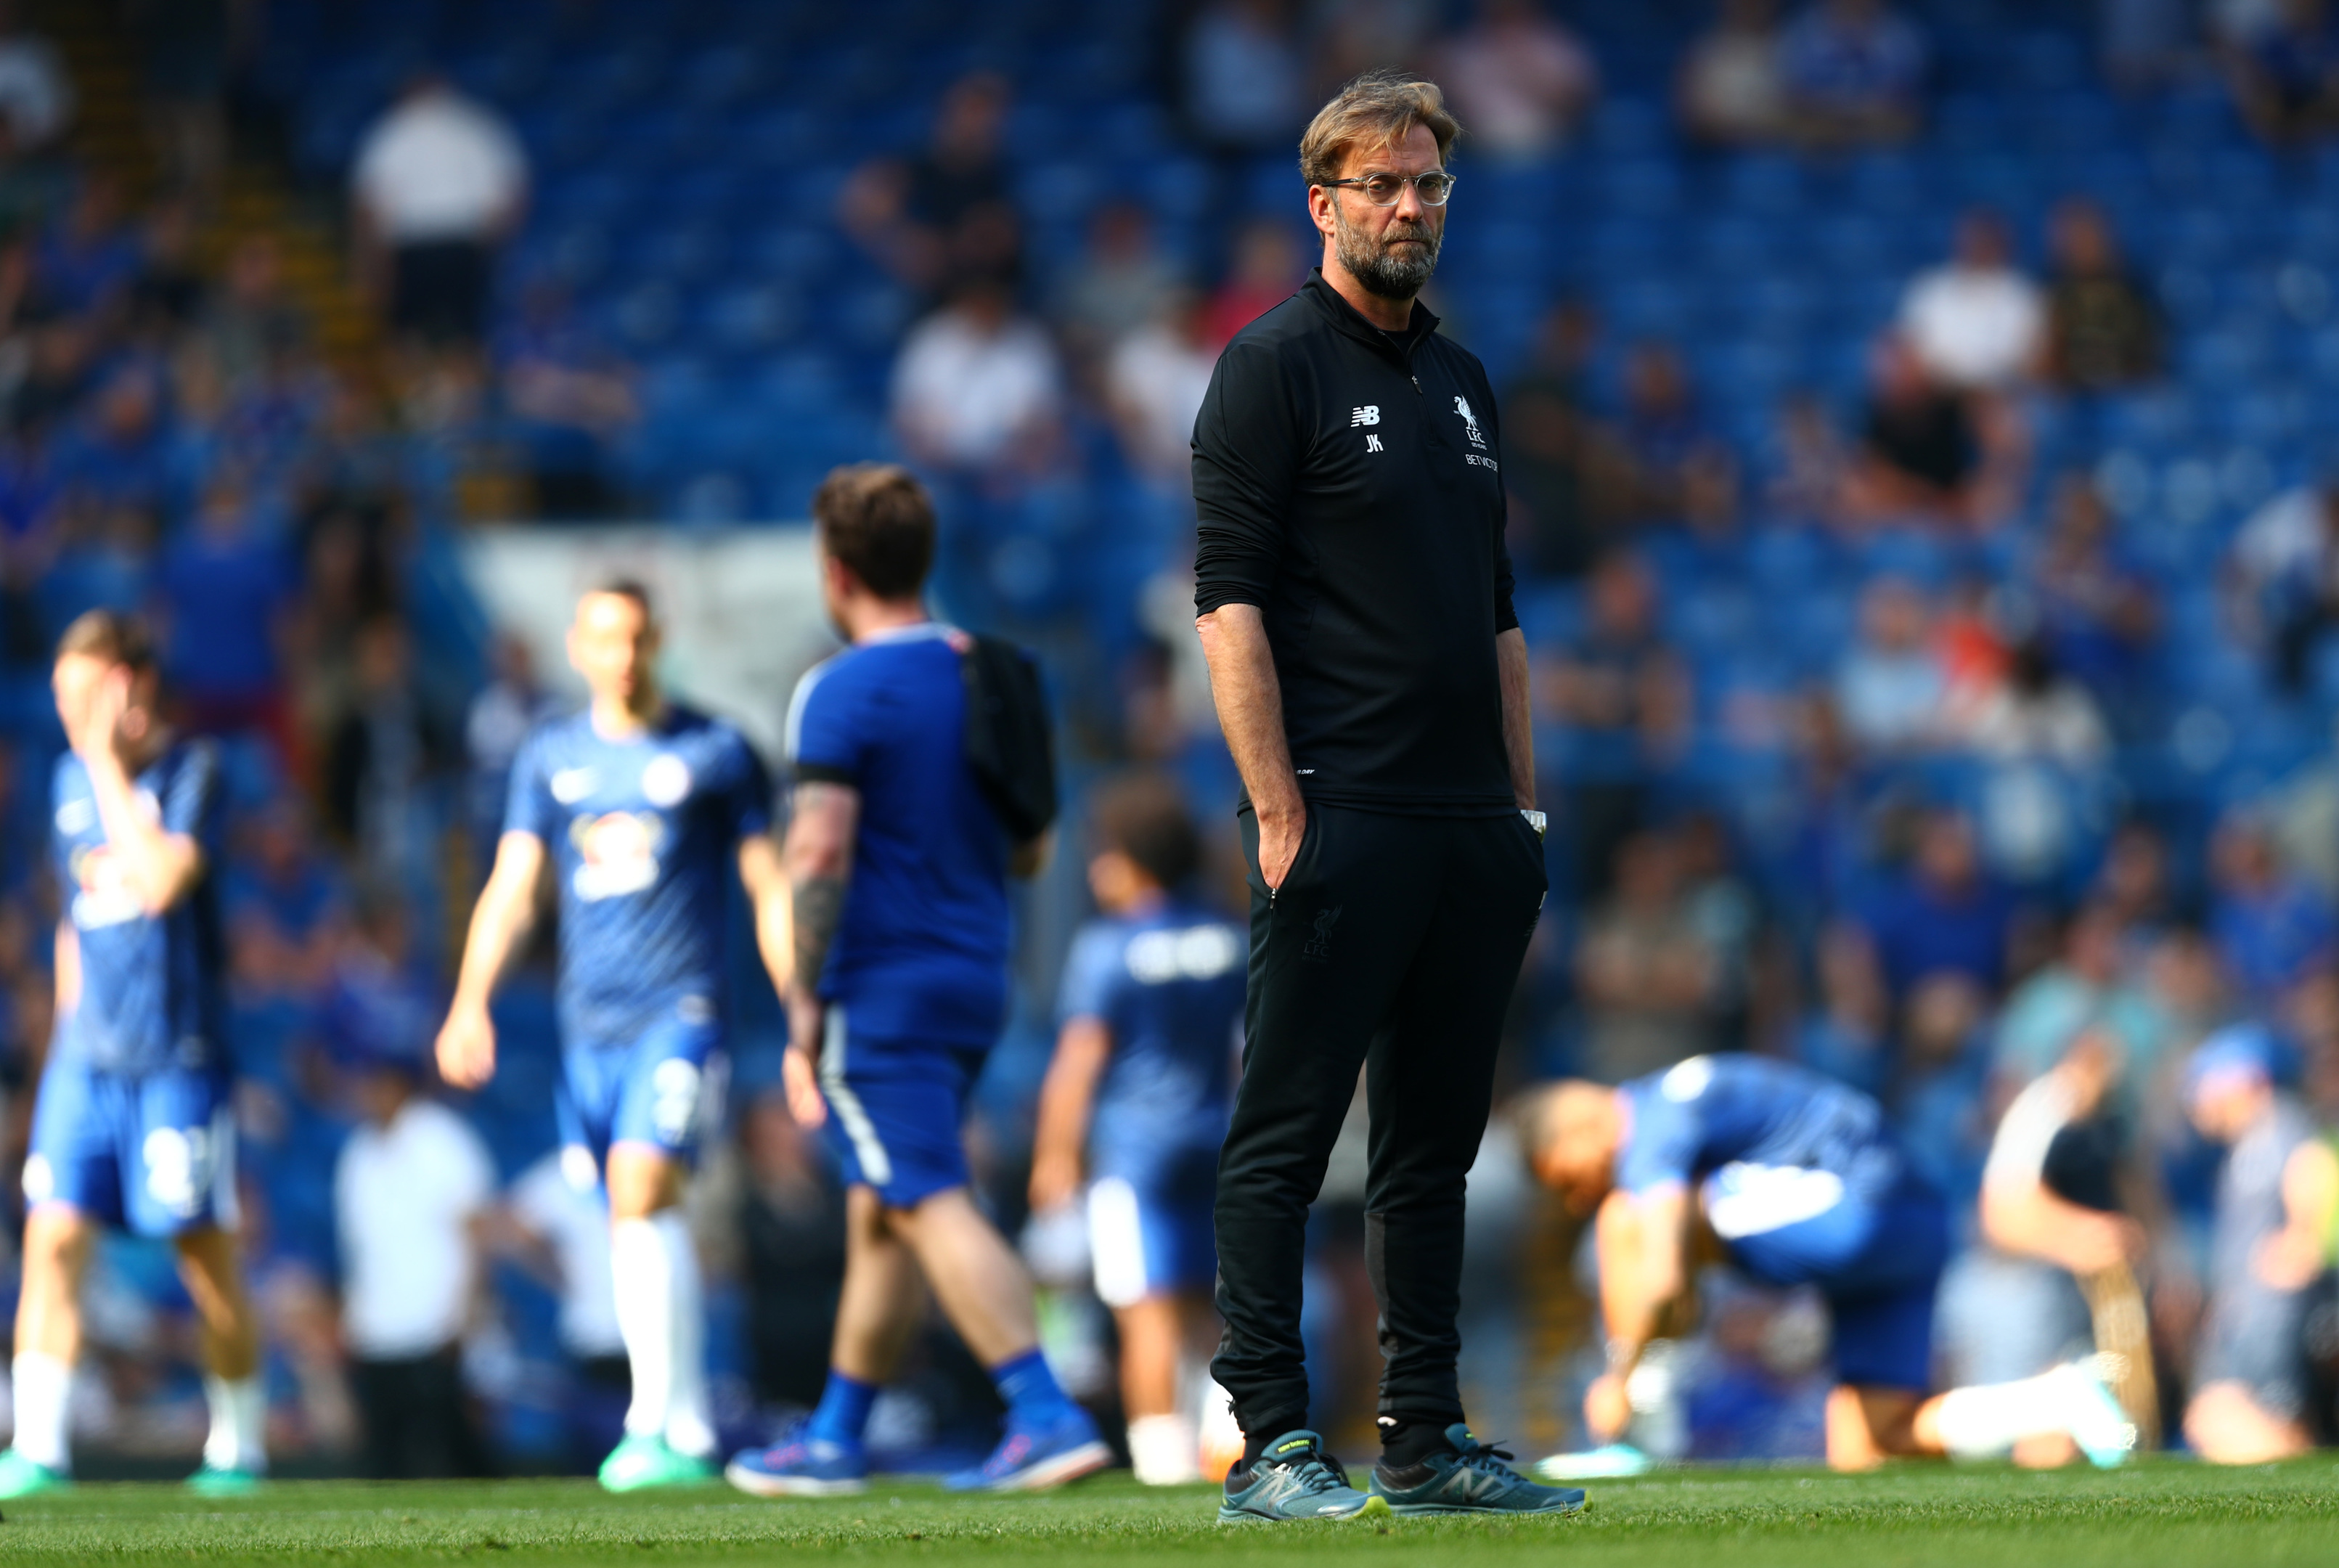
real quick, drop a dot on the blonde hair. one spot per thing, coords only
(1377, 108)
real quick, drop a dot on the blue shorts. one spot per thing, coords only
(1877, 1257)
(658, 1090)
(894, 1110)
(1150, 1231)
(154, 1153)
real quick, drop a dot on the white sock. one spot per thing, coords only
(44, 1391)
(689, 1424)
(1164, 1450)
(239, 1424)
(1985, 1421)
(660, 1314)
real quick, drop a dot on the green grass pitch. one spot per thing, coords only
(2153, 1513)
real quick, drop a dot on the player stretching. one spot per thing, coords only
(1801, 1182)
(640, 802)
(133, 1126)
(1143, 1073)
(900, 869)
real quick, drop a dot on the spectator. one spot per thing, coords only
(1155, 381)
(2103, 325)
(1118, 284)
(571, 398)
(2287, 577)
(2098, 612)
(1520, 80)
(283, 894)
(228, 592)
(86, 265)
(438, 185)
(36, 96)
(2276, 1200)
(1939, 1072)
(1660, 427)
(1265, 270)
(172, 289)
(1944, 914)
(2087, 988)
(1622, 697)
(2285, 80)
(2038, 713)
(1811, 471)
(1245, 83)
(1922, 454)
(409, 1192)
(2272, 927)
(495, 727)
(1730, 90)
(1855, 73)
(947, 214)
(977, 389)
(120, 452)
(1646, 972)
(1975, 322)
(250, 327)
(379, 758)
(1844, 1036)
(1890, 688)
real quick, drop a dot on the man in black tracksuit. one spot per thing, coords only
(1354, 599)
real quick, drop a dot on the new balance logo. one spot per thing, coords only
(1373, 444)
(1370, 414)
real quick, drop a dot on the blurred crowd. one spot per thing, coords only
(1856, 720)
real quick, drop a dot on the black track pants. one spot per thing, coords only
(1393, 942)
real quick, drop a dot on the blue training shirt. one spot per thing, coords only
(1753, 1122)
(152, 986)
(1167, 983)
(643, 833)
(921, 953)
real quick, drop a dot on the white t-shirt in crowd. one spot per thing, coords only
(1157, 379)
(1974, 326)
(440, 167)
(966, 395)
(576, 1224)
(404, 1197)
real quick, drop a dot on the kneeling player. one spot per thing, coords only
(132, 1127)
(642, 807)
(1137, 1092)
(2277, 1202)
(1801, 1182)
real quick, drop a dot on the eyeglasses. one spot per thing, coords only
(1383, 190)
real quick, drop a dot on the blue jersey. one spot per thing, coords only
(1752, 1122)
(152, 994)
(921, 953)
(643, 833)
(1167, 983)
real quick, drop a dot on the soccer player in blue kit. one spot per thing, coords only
(640, 806)
(133, 1126)
(899, 866)
(1138, 1097)
(1801, 1182)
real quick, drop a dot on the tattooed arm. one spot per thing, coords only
(818, 859)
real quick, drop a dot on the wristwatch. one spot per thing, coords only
(1535, 820)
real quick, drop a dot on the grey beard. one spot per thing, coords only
(1384, 271)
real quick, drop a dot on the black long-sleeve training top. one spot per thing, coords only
(1349, 483)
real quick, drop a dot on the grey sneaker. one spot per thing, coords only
(1471, 1479)
(1295, 1479)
